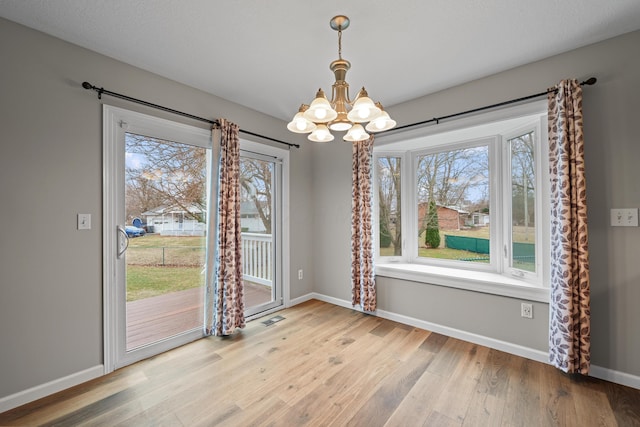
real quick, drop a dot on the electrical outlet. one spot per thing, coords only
(526, 310)
(300, 274)
(624, 217)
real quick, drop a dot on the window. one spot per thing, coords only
(389, 206)
(466, 203)
(452, 186)
(521, 228)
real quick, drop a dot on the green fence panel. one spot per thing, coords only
(524, 249)
(524, 252)
(521, 251)
(471, 244)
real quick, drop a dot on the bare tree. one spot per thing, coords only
(256, 184)
(389, 200)
(453, 178)
(523, 179)
(447, 177)
(160, 172)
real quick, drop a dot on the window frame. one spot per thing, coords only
(497, 277)
(535, 277)
(494, 264)
(403, 206)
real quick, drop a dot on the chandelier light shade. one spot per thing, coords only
(321, 134)
(382, 122)
(300, 124)
(340, 113)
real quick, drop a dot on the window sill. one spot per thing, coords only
(476, 281)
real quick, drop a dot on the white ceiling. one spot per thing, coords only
(273, 55)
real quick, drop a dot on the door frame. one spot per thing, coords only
(116, 122)
(280, 157)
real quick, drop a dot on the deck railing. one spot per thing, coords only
(257, 261)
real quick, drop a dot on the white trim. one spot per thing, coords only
(391, 139)
(606, 374)
(303, 298)
(109, 245)
(518, 350)
(615, 376)
(116, 122)
(478, 130)
(283, 252)
(542, 221)
(51, 387)
(477, 281)
(505, 346)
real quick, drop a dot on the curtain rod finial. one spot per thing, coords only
(590, 81)
(87, 85)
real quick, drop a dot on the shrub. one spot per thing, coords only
(385, 236)
(432, 236)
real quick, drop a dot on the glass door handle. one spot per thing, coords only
(123, 244)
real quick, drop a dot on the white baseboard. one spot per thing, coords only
(617, 377)
(507, 347)
(606, 374)
(40, 391)
(300, 300)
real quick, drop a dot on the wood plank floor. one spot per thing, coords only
(325, 365)
(155, 318)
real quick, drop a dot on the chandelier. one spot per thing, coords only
(340, 114)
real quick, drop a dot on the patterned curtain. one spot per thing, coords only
(225, 291)
(570, 331)
(363, 286)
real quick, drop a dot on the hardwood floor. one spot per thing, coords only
(326, 365)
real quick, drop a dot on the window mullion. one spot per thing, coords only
(410, 197)
(504, 239)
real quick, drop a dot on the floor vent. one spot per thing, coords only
(273, 320)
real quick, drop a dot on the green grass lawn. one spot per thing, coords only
(147, 281)
(520, 234)
(156, 240)
(158, 265)
(157, 250)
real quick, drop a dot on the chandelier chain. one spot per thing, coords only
(340, 44)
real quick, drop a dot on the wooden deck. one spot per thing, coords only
(156, 318)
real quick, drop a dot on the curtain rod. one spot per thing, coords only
(590, 81)
(102, 91)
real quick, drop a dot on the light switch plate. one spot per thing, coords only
(84, 221)
(624, 217)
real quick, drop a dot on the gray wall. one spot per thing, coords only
(51, 169)
(611, 111)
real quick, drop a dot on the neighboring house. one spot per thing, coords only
(449, 218)
(478, 219)
(250, 220)
(175, 221)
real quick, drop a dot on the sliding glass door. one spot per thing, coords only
(260, 212)
(157, 175)
(165, 223)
